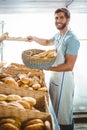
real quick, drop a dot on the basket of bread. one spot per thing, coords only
(38, 59)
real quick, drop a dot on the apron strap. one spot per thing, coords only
(60, 92)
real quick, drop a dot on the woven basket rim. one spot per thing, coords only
(30, 56)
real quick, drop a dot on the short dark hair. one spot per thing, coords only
(64, 10)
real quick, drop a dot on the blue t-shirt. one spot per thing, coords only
(70, 43)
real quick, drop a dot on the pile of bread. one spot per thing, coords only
(17, 101)
(16, 124)
(22, 111)
(32, 80)
(37, 124)
(10, 124)
(45, 54)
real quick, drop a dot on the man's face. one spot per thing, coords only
(61, 21)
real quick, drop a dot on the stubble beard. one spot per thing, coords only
(62, 27)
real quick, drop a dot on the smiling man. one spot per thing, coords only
(61, 87)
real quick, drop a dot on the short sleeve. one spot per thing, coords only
(73, 45)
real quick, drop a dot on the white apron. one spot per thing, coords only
(61, 91)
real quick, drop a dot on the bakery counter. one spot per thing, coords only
(13, 80)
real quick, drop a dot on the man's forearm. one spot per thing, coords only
(41, 41)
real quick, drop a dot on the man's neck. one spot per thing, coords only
(63, 31)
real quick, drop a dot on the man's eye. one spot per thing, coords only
(56, 18)
(61, 17)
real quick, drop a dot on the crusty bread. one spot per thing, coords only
(3, 97)
(36, 86)
(45, 54)
(31, 100)
(47, 125)
(10, 81)
(13, 97)
(25, 104)
(38, 126)
(14, 121)
(8, 126)
(17, 105)
(33, 121)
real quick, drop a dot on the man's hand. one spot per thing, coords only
(4, 36)
(29, 38)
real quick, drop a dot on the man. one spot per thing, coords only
(61, 87)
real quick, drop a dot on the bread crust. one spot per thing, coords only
(31, 100)
(38, 126)
(13, 97)
(34, 121)
(8, 126)
(47, 125)
(3, 97)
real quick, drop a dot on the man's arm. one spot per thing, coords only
(68, 65)
(41, 41)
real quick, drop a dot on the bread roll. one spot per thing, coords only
(16, 104)
(47, 125)
(34, 121)
(3, 97)
(30, 88)
(8, 126)
(24, 80)
(10, 81)
(13, 97)
(43, 89)
(4, 103)
(4, 75)
(38, 126)
(36, 86)
(24, 86)
(31, 100)
(31, 82)
(25, 104)
(19, 82)
(14, 121)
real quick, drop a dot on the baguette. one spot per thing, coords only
(45, 54)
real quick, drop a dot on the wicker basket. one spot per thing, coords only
(39, 63)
